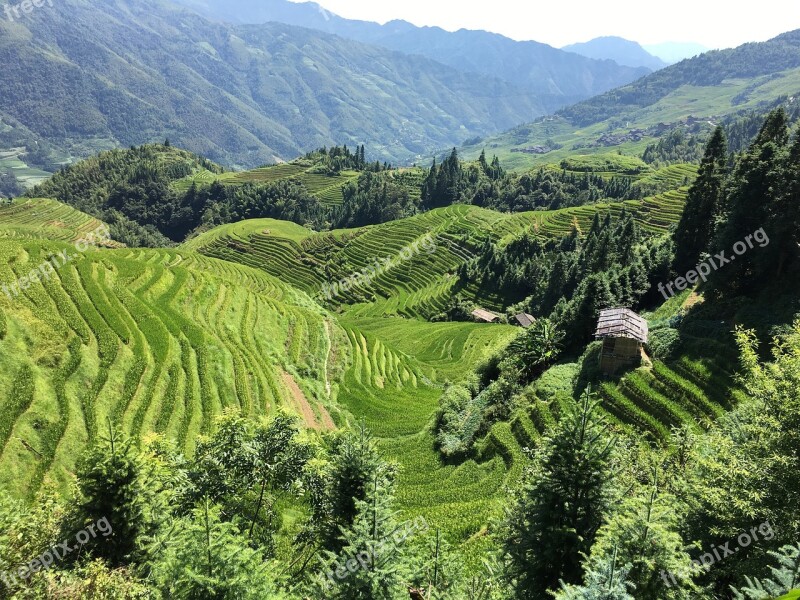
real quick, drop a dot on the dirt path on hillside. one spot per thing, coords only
(303, 406)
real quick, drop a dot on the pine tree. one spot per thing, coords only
(371, 560)
(783, 219)
(607, 580)
(354, 465)
(753, 186)
(565, 497)
(695, 230)
(112, 485)
(482, 162)
(206, 557)
(644, 535)
(785, 577)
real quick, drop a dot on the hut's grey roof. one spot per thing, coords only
(485, 315)
(525, 319)
(622, 323)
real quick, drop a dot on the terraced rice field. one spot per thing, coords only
(670, 177)
(328, 189)
(44, 219)
(417, 286)
(394, 384)
(411, 286)
(165, 340)
(148, 341)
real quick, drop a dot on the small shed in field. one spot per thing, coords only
(485, 316)
(525, 320)
(624, 334)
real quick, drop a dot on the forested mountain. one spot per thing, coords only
(557, 78)
(621, 51)
(692, 96)
(712, 68)
(88, 75)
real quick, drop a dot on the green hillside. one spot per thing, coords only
(136, 327)
(314, 354)
(44, 219)
(326, 188)
(695, 95)
(163, 341)
(150, 340)
(418, 286)
(123, 74)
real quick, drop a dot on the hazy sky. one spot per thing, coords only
(713, 23)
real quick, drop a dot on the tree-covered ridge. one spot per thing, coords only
(156, 193)
(571, 279)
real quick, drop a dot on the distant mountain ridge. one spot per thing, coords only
(87, 75)
(558, 78)
(712, 68)
(690, 97)
(621, 51)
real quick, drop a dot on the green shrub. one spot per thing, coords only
(557, 379)
(664, 343)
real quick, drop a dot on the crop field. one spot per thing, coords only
(149, 341)
(163, 341)
(44, 219)
(424, 250)
(421, 284)
(692, 391)
(27, 176)
(328, 189)
(394, 386)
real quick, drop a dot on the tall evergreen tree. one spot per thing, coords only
(207, 558)
(113, 485)
(372, 556)
(754, 185)
(354, 465)
(783, 219)
(606, 580)
(695, 230)
(644, 535)
(482, 162)
(565, 497)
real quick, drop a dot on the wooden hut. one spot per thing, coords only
(485, 316)
(525, 320)
(624, 334)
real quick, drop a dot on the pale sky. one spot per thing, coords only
(713, 23)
